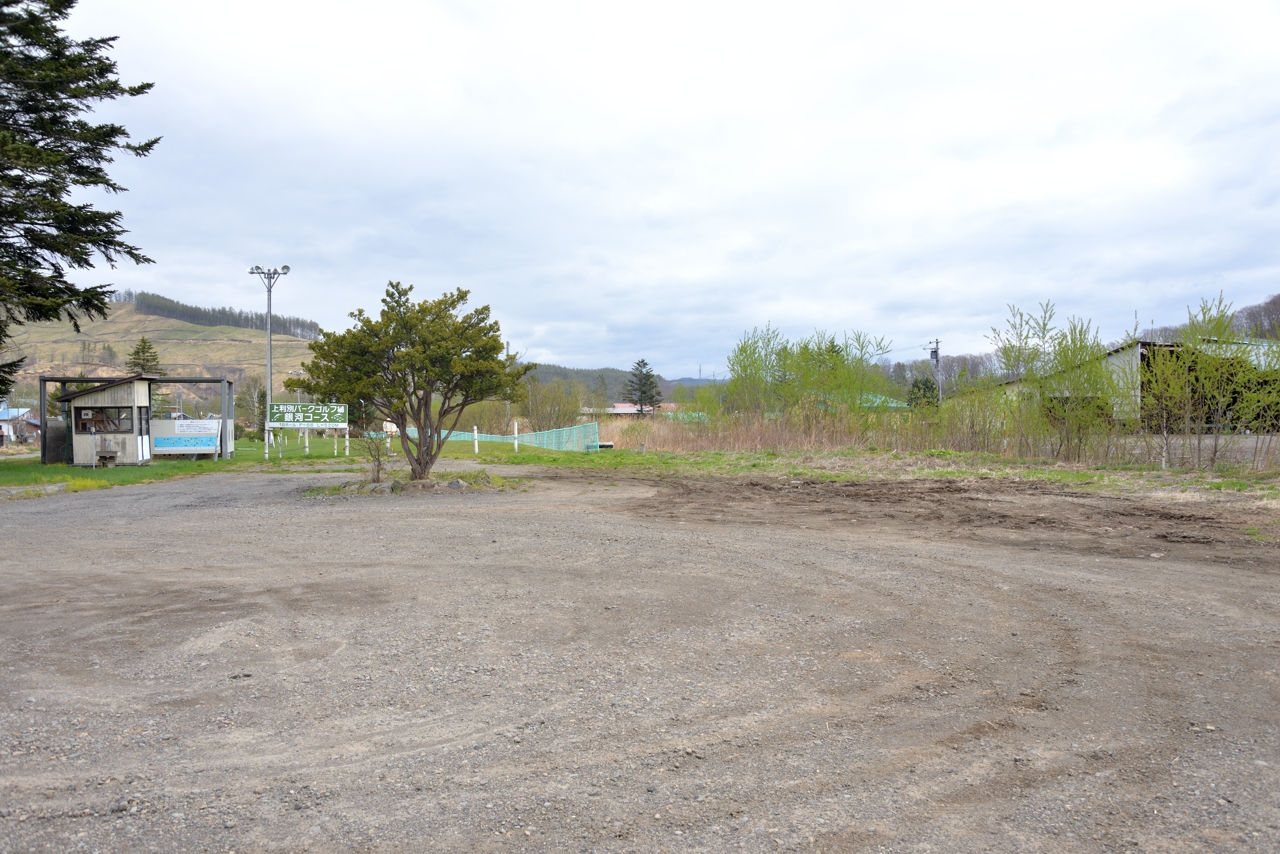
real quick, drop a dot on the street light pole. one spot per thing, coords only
(269, 279)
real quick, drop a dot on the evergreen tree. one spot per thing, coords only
(642, 387)
(419, 364)
(49, 154)
(924, 393)
(143, 359)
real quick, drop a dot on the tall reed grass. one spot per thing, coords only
(1056, 393)
(973, 425)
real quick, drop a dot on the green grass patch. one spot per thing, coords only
(1266, 532)
(30, 473)
(479, 478)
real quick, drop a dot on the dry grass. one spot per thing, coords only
(914, 439)
(735, 435)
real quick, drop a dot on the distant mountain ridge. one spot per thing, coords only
(185, 349)
(615, 379)
(159, 306)
(196, 341)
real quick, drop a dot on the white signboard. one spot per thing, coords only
(183, 426)
(313, 416)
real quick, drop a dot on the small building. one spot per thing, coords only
(18, 425)
(1127, 367)
(111, 423)
(624, 408)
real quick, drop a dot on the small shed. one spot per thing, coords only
(111, 423)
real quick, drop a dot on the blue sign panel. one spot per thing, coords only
(186, 444)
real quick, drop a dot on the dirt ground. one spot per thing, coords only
(228, 664)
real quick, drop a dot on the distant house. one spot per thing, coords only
(18, 425)
(633, 409)
(1127, 364)
(866, 401)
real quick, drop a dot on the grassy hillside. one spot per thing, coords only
(185, 349)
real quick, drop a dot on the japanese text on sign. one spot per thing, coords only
(315, 416)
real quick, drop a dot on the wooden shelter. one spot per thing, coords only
(111, 423)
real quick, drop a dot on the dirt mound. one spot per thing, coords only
(1030, 514)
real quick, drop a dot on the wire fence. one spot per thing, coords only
(583, 437)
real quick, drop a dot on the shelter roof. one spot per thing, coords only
(99, 386)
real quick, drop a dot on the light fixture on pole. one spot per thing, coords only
(269, 279)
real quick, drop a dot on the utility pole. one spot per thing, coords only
(269, 279)
(935, 353)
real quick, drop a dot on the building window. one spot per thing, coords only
(144, 420)
(104, 419)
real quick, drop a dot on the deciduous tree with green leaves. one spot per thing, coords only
(49, 152)
(419, 364)
(1021, 349)
(1166, 393)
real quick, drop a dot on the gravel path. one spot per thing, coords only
(225, 663)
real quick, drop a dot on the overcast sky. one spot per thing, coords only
(651, 179)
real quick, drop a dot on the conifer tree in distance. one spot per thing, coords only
(642, 388)
(143, 359)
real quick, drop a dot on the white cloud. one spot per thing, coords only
(650, 180)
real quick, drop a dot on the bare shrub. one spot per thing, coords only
(376, 451)
(551, 405)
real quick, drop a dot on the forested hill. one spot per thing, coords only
(615, 380)
(158, 306)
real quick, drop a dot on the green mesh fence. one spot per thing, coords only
(583, 437)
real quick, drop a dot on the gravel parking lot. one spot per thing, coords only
(227, 663)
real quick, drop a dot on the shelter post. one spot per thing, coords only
(231, 417)
(44, 422)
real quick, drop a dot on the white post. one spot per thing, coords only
(335, 443)
(306, 438)
(475, 438)
(516, 424)
(346, 441)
